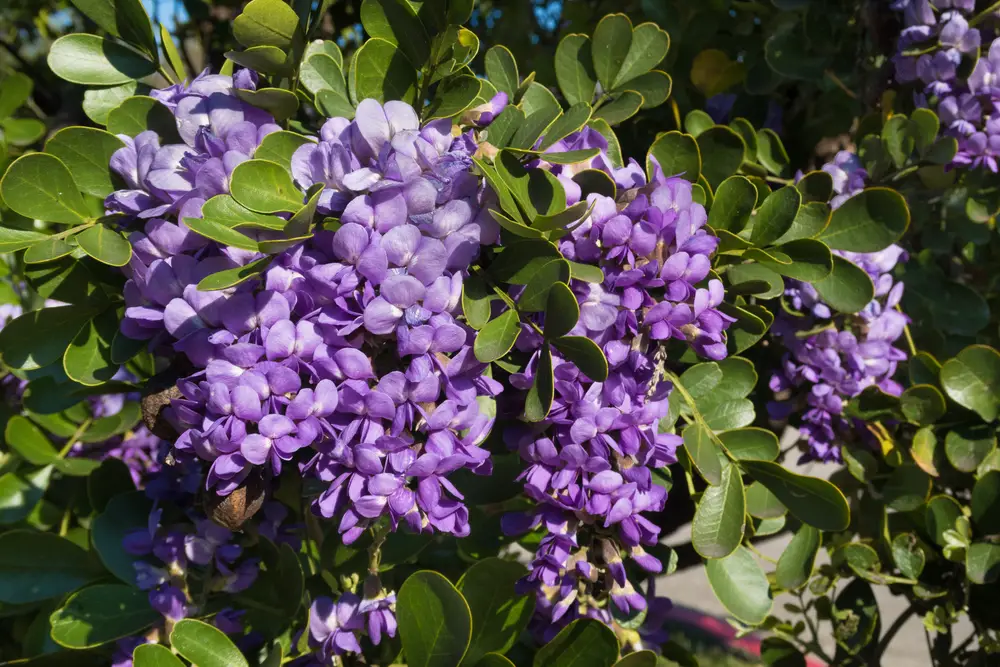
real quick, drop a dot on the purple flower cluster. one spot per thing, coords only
(590, 462)
(936, 39)
(343, 360)
(335, 628)
(842, 355)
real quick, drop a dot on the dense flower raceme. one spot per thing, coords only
(590, 462)
(840, 356)
(935, 41)
(344, 359)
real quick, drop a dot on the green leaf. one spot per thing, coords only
(582, 643)
(982, 562)
(740, 585)
(810, 221)
(49, 249)
(521, 260)
(88, 358)
(112, 478)
(811, 500)
(321, 72)
(755, 279)
(98, 102)
(922, 404)
(381, 71)
(280, 103)
(228, 212)
(857, 608)
(38, 566)
(940, 516)
(38, 338)
(922, 450)
(622, 106)
(154, 655)
(729, 414)
(538, 402)
(221, 233)
(676, 154)
(644, 658)
(702, 447)
(908, 555)
(15, 89)
(561, 311)
(563, 219)
(899, 138)
(334, 105)
(104, 613)
(28, 440)
(397, 23)
(173, 53)
(763, 504)
(967, 447)
(453, 96)
(571, 121)
(611, 45)
(535, 295)
(39, 186)
(203, 644)
(502, 129)
(697, 121)
(536, 190)
(771, 152)
(717, 529)
(586, 354)
(985, 502)
(907, 488)
(751, 444)
(811, 261)
(435, 622)
(655, 88)
(701, 379)
(848, 288)
(775, 216)
(734, 201)
(140, 113)
(501, 70)
(574, 67)
(19, 495)
(232, 277)
(22, 131)
(12, 240)
(795, 566)
(648, 47)
(266, 23)
(497, 337)
(265, 187)
(86, 152)
(777, 652)
(972, 379)
(499, 614)
(105, 245)
(722, 151)
(476, 300)
(868, 222)
(94, 61)
(122, 18)
(816, 186)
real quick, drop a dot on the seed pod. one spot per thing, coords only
(238, 507)
(152, 412)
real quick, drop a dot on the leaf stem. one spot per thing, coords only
(76, 437)
(909, 338)
(983, 15)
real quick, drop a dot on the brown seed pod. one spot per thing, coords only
(238, 507)
(152, 412)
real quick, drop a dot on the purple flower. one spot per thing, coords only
(334, 627)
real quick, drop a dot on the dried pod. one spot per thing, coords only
(238, 507)
(152, 412)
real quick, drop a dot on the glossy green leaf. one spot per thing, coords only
(435, 622)
(321, 72)
(228, 212)
(397, 23)
(266, 23)
(622, 106)
(38, 338)
(38, 566)
(922, 404)
(12, 240)
(381, 71)
(501, 69)
(611, 44)
(775, 216)
(105, 245)
(982, 562)
(701, 379)
(816, 186)
(232, 277)
(724, 415)
(718, 525)
(755, 279)
(677, 154)
(868, 222)
(49, 249)
(263, 59)
(88, 358)
(907, 488)
(86, 152)
(40, 186)
(561, 311)
(221, 233)
(795, 566)
(940, 516)
(721, 153)
(583, 643)
(967, 447)
(99, 102)
(734, 201)
(140, 113)
(15, 89)
(908, 555)
(94, 61)
(740, 585)
(763, 504)
(22, 131)
(647, 48)
(497, 337)
(104, 613)
(811, 261)
(574, 68)
(499, 613)
(702, 447)
(265, 187)
(985, 502)
(122, 18)
(811, 500)
(586, 354)
(750, 444)
(154, 655)
(972, 379)
(476, 300)
(538, 402)
(20, 494)
(848, 288)
(771, 152)
(172, 53)
(280, 103)
(536, 190)
(205, 645)
(569, 122)
(655, 87)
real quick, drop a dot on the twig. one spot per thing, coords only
(890, 634)
(983, 15)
